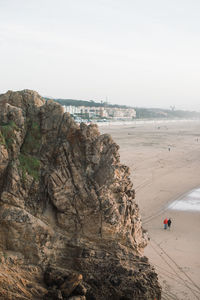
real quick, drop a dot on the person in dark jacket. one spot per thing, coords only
(169, 222)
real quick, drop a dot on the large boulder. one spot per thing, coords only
(67, 209)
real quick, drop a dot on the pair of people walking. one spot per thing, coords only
(167, 223)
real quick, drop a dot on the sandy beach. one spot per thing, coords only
(164, 160)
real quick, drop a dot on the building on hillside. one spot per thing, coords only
(101, 112)
(121, 113)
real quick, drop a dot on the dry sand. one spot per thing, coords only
(161, 176)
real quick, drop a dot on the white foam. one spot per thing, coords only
(189, 202)
(195, 194)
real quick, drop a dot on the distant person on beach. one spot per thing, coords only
(169, 148)
(169, 222)
(165, 223)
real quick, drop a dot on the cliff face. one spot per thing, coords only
(69, 226)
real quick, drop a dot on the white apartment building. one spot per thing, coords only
(103, 112)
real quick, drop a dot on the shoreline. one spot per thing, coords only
(142, 122)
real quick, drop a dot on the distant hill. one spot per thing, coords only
(88, 103)
(165, 113)
(141, 113)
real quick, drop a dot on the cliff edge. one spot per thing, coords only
(69, 225)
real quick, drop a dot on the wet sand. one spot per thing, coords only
(160, 177)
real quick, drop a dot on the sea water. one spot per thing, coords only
(190, 202)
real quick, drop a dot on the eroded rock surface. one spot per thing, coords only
(69, 225)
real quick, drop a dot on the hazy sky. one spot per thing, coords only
(135, 52)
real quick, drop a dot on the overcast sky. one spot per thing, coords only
(136, 52)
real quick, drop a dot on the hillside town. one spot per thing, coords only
(107, 113)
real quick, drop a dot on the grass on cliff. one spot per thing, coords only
(32, 141)
(29, 164)
(2, 139)
(7, 133)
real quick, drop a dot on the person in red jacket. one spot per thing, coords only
(165, 223)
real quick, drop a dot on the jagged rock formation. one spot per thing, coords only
(69, 225)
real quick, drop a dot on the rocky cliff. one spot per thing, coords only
(69, 225)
